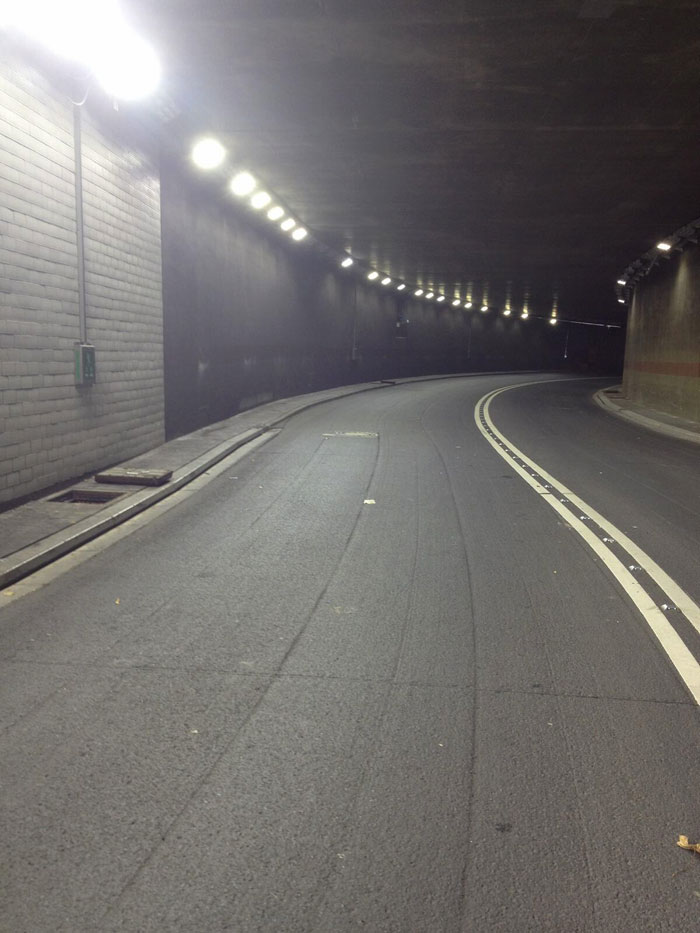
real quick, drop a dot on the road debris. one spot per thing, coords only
(684, 844)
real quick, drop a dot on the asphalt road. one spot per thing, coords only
(366, 679)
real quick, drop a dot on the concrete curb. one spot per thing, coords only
(643, 421)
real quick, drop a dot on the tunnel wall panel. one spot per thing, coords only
(52, 429)
(662, 355)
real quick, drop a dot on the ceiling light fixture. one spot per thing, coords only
(373, 275)
(468, 305)
(288, 224)
(418, 292)
(242, 184)
(386, 280)
(208, 153)
(275, 213)
(441, 298)
(400, 288)
(260, 199)
(300, 233)
(430, 295)
(484, 307)
(457, 302)
(664, 246)
(347, 262)
(622, 281)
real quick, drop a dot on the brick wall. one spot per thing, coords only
(50, 429)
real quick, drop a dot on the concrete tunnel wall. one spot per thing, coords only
(250, 316)
(662, 355)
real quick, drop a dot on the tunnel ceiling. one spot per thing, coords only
(494, 144)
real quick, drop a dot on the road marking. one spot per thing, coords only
(558, 496)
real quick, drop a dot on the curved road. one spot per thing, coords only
(367, 678)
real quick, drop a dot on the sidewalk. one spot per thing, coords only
(613, 401)
(38, 532)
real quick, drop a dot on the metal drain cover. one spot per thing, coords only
(86, 495)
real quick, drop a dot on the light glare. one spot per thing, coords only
(457, 302)
(400, 288)
(242, 184)
(441, 298)
(300, 233)
(288, 224)
(622, 282)
(430, 295)
(484, 307)
(664, 246)
(373, 275)
(260, 199)
(467, 305)
(347, 262)
(418, 292)
(386, 280)
(275, 213)
(208, 153)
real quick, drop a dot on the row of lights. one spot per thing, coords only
(689, 233)
(209, 154)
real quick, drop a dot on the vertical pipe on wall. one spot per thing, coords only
(79, 222)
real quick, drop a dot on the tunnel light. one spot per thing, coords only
(430, 295)
(94, 35)
(418, 292)
(260, 199)
(457, 302)
(386, 280)
(242, 184)
(468, 305)
(347, 262)
(484, 307)
(622, 281)
(552, 320)
(664, 246)
(300, 233)
(288, 224)
(275, 213)
(525, 315)
(440, 297)
(506, 312)
(400, 288)
(620, 301)
(373, 275)
(208, 153)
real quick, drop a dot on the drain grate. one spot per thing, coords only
(86, 495)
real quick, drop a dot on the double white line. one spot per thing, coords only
(558, 496)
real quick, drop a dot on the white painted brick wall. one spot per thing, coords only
(50, 429)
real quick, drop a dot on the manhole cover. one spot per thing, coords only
(86, 495)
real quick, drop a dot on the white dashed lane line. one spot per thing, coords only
(655, 594)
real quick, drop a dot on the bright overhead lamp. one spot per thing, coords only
(300, 233)
(373, 275)
(484, 307)
(347, 262)
(664, 246)
(441, 298)
(525, 314)
(242, 184)
(418, 292)
(467, 305)
(620, 301)
(275, 213)
(400, 288)
(386, 280)
(430, 295)
(260, 199)
(288, 224)
(552, 320)
(457, 302)
(208, 153)
(506, 311)
(94, 35)
(622, 281)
